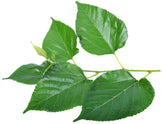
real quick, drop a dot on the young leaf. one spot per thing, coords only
(63, 87)
(40, 51)
(115, 95)
(60, 40)
(53, 57)
(30, 73)
(100, 32)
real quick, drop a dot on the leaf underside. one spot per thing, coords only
(100, 32)
(60, 40)
(30, 73)
(63, 87)
(115, 95)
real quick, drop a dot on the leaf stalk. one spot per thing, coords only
(147, 74)
(131, 70)
(48, 69)
(142, 70)
(93, 75)
(73, 61)
(118, 61)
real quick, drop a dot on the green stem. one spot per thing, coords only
(124, 69)
(132, 70)
(96, 71)
(49, 61)
(93, 75)
(147, 74)
(118, 61)
(142, 70)
(73, 61)
(48, 68)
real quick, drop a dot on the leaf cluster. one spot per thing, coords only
(61, 85)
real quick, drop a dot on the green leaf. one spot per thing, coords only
(30, 73)
(63, 87)
(115, 95)
(100, 32)
(53, 57)
(40, 51)
(60, 40)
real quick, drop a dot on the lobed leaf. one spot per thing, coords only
(60, 40)
(63, 87)
(115, 95)
(100, 32)
(30, 73)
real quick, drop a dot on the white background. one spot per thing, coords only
(24, 21)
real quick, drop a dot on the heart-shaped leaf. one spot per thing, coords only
(60, 40)
(30, 73)
(115, 95)
(100, 32)
(63, 87)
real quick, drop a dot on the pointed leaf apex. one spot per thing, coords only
(40, 51)
(4, 78)
(76, 2)
(25, 111)
(77, 119)
(52, 18)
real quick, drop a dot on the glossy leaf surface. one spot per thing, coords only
(30, 73)
(115, 95)
(60, 40)
(63, 87)
(100, 32)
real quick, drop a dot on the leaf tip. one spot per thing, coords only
(52, 19)
(77, 119)
(76, 2)
(25, 111)
(32, 43)
(40, 51)
(4, 78)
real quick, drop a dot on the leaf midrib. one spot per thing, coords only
(97, 30)
(58, 93)
(114, 97)
(63, 40)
